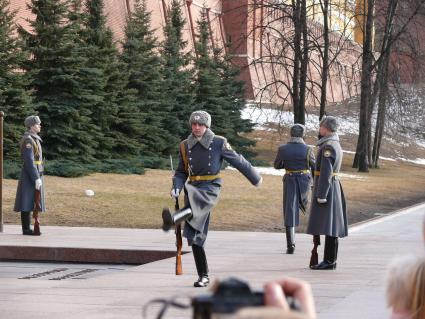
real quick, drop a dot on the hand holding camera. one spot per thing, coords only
(276, 292)
(232, 296)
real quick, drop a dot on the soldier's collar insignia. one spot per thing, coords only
(327, 153)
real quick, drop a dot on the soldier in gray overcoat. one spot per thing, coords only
(31, 177)
(328, 211)
(198, 173)
(298, 161)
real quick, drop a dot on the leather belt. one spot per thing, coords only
(317, 173)
(304, 171)
(195, 178)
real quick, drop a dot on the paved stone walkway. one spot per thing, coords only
(354, 290)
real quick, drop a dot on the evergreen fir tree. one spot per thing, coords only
(208, 95)
(14, 100)
(178, 88)
(233, 99)
(145, 77)
(58, 78)
(111, 84)
(219, 92)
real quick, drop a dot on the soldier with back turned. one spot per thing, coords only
(298, 161)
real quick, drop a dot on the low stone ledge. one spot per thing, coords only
(82, 255)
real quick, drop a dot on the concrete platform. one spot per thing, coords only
(354, 290)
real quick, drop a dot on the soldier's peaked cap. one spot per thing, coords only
(200, 117)
(32, 120)
(297, 130)
(330, 122)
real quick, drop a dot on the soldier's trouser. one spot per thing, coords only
(331, 249)
(26, 222)
(200, 260)
(290, 237)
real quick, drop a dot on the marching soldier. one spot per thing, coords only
(198, 173)
(328, 211)
(31, 178)
(298, 161)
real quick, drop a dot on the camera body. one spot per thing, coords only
(229, 296)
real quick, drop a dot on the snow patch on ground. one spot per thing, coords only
(262, 116)
(280, 172)
(380, 157)
(420, 161)
(348, 125)
(420, 143)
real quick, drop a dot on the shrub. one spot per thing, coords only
(66, 168)
(11, 169)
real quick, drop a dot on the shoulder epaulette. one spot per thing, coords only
(33, 142)
(220, 137)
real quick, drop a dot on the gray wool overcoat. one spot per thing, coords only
(298, 160)
(329, 218)
(204, 160)
(32, 169)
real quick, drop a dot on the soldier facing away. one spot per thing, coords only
(31, 177)
(298, 161)
(328, 211)
(198, 173)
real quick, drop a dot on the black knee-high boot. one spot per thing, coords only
(169, 219)
(290, 239)
(26, 223)
(201, 266)
(336, 249)
(331, 250)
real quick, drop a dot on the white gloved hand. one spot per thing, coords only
(259, 182)
(322, 200)
(38, 184)
(175, 192)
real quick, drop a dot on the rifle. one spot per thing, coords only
(314, 259)
(36, 211)
(178, 232)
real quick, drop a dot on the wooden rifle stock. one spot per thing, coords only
(36, 212)
(179, 244)
(314, 259)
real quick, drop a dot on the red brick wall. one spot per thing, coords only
(229, 20)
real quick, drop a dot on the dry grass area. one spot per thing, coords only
(136, 201)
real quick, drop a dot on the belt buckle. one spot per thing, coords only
(197, 178)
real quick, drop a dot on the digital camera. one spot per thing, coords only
(229, 296)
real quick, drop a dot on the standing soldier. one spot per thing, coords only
(298, 161)
(31, 178)
(201, 157)
(328, 212)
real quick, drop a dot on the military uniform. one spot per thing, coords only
(32, 169)
(298, 160)
(204, 161)
(328, 218)
(198, 173)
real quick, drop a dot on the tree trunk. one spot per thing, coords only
(304, 64)
(380, 121)
(361, 157)
(297, 58)
(381, 73)
(325, 59)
